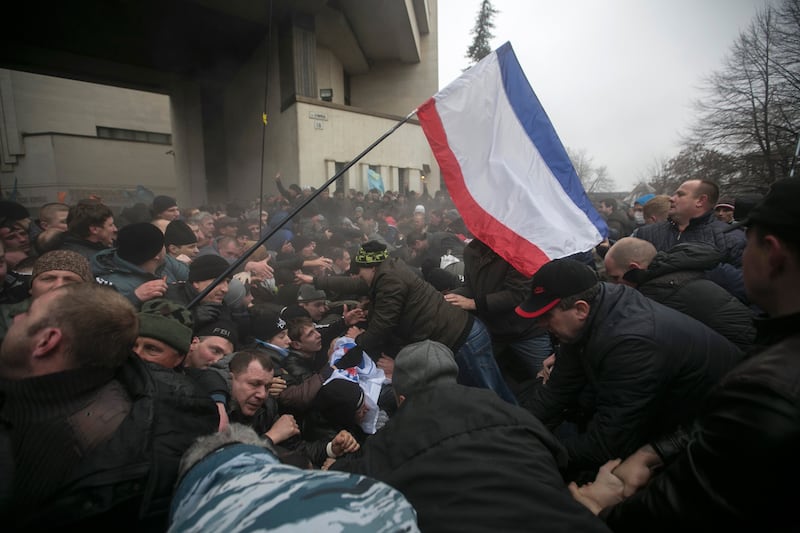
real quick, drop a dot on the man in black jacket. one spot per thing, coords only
(403, 309)
(95, 436)
(492, 290)
(691, 218)
(649, 366)
(465, 459)
(677, 279)
(736, 469)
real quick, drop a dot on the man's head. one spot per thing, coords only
(54, 215)
(627, 254)
(268, 326)
(211, 343)
(423, 365)
(305, 338)
(771, 259)
(165, 208)
(692, 199)
(180, 239)
(14, 222)
(314, 301)
(165, 331)
(203, 271)
(369, 258)
(418, 222)
(304, 246)
(229, 248)
(75, 326)
(436, 217)
(141, 244)
(724, 210)
(607, 206)
(341, 403)
(93, 221)
(656, 209)
(341, 259)
(226, 226)
(417, 241)
(638, 208)
(205, 222)
(57, 268)
(251, 375)
(562, 294)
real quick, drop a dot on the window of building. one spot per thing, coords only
(402, 180)
(340, 182)
(120, 134)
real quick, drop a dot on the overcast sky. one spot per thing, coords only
(616, 77)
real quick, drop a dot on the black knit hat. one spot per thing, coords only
(207, 267)
(371, 253)
(267, 324)
(299, 242)
(168, 322)
(179, 233)
(556, 280)
(221, 328)
(778, 211)
(139, 242)
(162, 203)
(11, 212)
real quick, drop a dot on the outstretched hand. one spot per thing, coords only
(605, 491)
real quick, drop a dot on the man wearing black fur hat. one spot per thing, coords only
(180, 243)
(202, 273)
(165, 208)
(404, 308)
(131, 268)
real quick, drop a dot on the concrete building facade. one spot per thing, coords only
(334, 75)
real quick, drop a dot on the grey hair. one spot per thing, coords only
(233, 434)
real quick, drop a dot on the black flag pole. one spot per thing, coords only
(265, 238)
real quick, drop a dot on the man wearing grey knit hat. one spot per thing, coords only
(461, 453)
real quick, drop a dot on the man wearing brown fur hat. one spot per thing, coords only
(50, 271)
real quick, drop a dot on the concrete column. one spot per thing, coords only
(187, 139)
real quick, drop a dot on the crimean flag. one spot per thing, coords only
(375, 180)
(505, 167)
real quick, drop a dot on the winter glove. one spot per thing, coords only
(326, 372)
(207, 313)
(210, 383)
(351, 358)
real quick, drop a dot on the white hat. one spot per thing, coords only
(420, 209)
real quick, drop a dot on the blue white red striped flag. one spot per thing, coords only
(505, 167)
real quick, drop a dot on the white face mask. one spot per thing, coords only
(638, 216)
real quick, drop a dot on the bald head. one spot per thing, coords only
(627, 254)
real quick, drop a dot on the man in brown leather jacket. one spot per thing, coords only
(737, 467)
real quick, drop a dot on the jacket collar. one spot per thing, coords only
(770, 331)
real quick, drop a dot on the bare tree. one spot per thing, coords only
(594, 178)
(751, 110)
(482, 32)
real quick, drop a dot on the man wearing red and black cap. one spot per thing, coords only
(647, 366)
(736, 468)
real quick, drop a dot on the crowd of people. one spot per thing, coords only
(369, 363)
